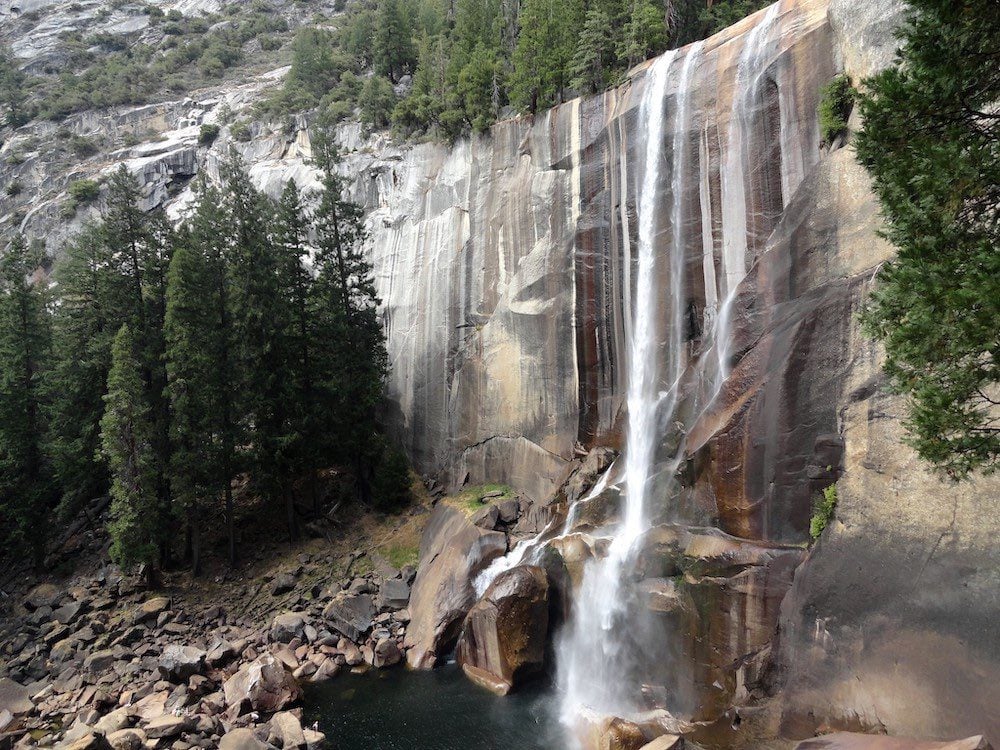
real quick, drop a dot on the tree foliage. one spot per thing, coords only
(931, 142)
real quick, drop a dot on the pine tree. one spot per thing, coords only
(260, 320)
(345, 307)
(127, 436)
(594, 58)
(392, 47)
(84, 325)
(192, 379)
(931, 141)
(209, 240)
(545, 47)
(26, 489)
(139, 246)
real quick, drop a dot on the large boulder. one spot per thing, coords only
(350, 614)
(178, 663)
(504, 637)
(242, 739)
(263, 685)
(167, 726)
(852, 741)
(452, 552)
(14, 697)
(286, 626)
(394, 594)
(43, 595)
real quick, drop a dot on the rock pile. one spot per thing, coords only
(101, 664)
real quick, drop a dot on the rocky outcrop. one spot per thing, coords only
(504, 637)
(452, 552)
(847, 741)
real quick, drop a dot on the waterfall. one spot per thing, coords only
(602, 653)
(595, 658)
(735, 227)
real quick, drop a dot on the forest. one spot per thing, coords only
(163, 363)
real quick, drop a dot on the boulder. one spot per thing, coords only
(14, 697)
(486, 517)
(394, 594)
(386, 653)
(263, 685)
(87, 741)
(151, 608)
(115, 721)
(852, 741)
(282, 584)
(452, 553)
(179, 663)
(167, 725)
(620, 734)
(68, 612)
(220, 652)
(314, 739)
(99, 661)
(242, 739)
(43, 595)
(504, 638)
(286, 727)
(286, 626)
(350, 614)
(127, 739)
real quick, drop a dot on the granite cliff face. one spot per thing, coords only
(507, 267)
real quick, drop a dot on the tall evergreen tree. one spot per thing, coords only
(84, 326)
(25, 478)
(209, 240)
(139, 246)
(392, 48)
(260, 320)
(345, 306)
(127, 439)
(192, 379)
(931, 141)
(291, 237)
(545, 47)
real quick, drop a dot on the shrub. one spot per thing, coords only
(823, 512)
(13, 188)
(84, 191)
(241, 132)
(208, 134)
(835, 104)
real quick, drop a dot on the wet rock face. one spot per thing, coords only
(452, 552)
(504, 637)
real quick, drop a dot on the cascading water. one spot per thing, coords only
(595, 660)
(752, 62)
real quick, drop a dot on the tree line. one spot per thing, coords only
(468, 62)
(164, 363)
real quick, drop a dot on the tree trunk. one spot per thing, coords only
(293, 530)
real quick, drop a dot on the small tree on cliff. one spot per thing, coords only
(127, 438)
(931, 141)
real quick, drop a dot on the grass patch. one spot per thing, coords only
(400, 555)
(823, 512)
(471, 500)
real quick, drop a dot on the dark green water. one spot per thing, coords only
(399, 709)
